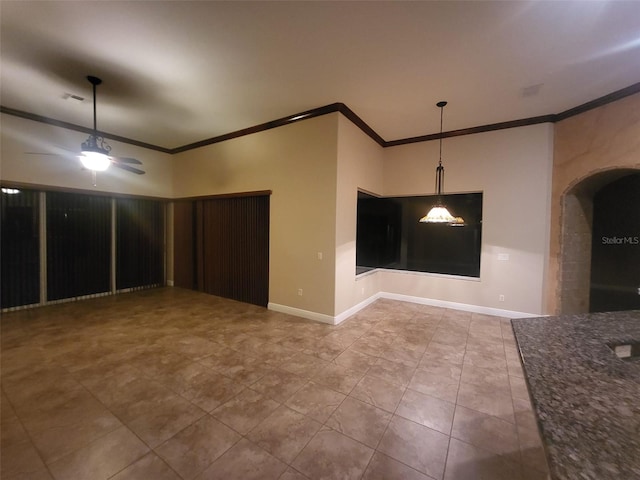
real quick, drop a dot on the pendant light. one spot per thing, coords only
(439, 213)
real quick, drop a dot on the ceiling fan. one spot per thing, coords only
(95, 151)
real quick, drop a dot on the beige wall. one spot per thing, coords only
(513, 169)
(314, 168)
(360, 165)
(298, 163)
(598, 140)
(64, 170)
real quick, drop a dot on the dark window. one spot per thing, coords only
(78, 245)
(139, 243)
(78, 231)
(389, 235)
(19, 248)
(378, 232)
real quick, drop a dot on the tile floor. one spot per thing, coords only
(170, 384)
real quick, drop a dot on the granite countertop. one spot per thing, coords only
(586, 399)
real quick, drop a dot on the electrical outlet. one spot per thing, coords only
(501, 298)
(319, 255)
(299, 292)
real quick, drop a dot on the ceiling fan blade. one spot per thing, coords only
(134, 161)
(62, 154)
(43, 148)
(128, 168)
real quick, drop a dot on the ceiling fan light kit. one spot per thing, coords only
(95, 161)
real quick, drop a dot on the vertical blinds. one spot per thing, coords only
(232, 248)
(184, 240)
(77, 238)
(78, 245)
(139, 243)
(19, 248)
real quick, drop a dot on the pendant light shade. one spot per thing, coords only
(439, 212)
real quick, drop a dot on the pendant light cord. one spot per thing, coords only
(440, 168)
(95, 122)
(441, 115)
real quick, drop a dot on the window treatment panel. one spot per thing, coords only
(19, 248)
(184, 272)
(78, 245)
(139, 243)
(233, 248)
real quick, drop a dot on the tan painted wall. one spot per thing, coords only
(64, 170)
(360, 165)
(513, 169)
(298, 163)
(597, 140)
(314, 168)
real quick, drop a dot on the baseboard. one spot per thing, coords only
(298, 312)
(355, 309)
(499, 312)
(321, 317)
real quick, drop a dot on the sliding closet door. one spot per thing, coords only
(139, 243)
(78, 245)
(19, 248)
(232, 248)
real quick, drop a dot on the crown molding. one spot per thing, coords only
(349, 114)
(79, 128)
(280, 122)
(469, 131)
(599, 102)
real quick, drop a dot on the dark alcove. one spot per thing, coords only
(615, 247)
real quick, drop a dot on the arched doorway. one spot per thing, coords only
(576, 243)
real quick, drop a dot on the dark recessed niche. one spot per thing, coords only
(389, 235)
(615, 247)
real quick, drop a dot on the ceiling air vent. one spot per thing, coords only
(71, 96)
(531, 90)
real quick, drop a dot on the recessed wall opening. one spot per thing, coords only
(580, 276)
(390, 235)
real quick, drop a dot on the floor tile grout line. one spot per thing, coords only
(26, 432)
(123, 423)
(212, 461)
(405, 388)
(152, 452)
(518, 427)
(95, 439)
(446, 460)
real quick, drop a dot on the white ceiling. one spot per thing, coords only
(176, 72)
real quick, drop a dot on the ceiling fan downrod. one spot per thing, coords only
(95, 81)
(95, 142)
